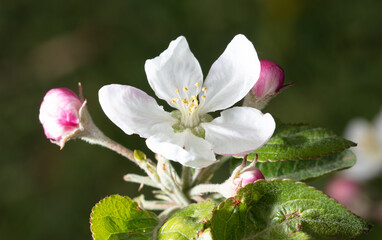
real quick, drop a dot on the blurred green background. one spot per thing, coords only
(331, 49)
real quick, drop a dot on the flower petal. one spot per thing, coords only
(239, 130)
(133, 110)
(185, 148)
(175, 68)
(232, 75)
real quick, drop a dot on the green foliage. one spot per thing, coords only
(300, 141)
(307, 169)
(279, 209)
(189, 223)
(119, 218)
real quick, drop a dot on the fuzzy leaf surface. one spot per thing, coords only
(306, 169)
(189, 223)
(300, 141)
(120, 218)
(283, 210)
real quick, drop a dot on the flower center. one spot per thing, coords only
(189, 105)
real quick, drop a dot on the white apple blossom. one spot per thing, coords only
(189, 135)
(368, 137)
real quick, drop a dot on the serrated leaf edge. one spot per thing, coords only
(351, 143)
(365, 230)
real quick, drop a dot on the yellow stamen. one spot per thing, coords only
(204, 97)
(204, 89)
(184, 101)
(177, 90)
(174, 100)
(185, 89)
(197, 84)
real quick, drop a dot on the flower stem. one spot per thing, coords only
(140, 179)
(205, 174)
(186, 178)
(168, 178)
(165, 178)
(205, 188)
(95, 136)
(182, 198)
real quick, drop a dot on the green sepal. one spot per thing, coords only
(118, 218)
(206, 118)
(176, 114)
(199, 132)
(178, 127)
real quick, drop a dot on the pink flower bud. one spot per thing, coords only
(269, 84)
(248, 176)
(59, 113)
(270, 81)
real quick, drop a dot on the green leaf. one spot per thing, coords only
(120, 218)
(190, 222)
(283, 210)
(307, 169)
(295, 142)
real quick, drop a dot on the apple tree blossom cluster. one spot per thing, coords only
(215, 121)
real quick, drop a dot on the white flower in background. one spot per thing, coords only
(368, 136)
(189, 135)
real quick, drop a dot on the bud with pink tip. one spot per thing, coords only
(59, 113)
(250, 175)
(64, 116)
(238, 180)
(269, 84)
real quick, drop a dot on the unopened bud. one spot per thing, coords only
(238, 180)
(139, 155)
(64, 116)
(270, 81)
(268, 85)
(250, 175)
(59, 113)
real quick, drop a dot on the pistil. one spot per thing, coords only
(189, 105)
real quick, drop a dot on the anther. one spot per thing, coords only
(177, 90)
(197, 84)
(185, 89)
(174, 100)
(204, 89)
(184, 101)
(204, 97)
